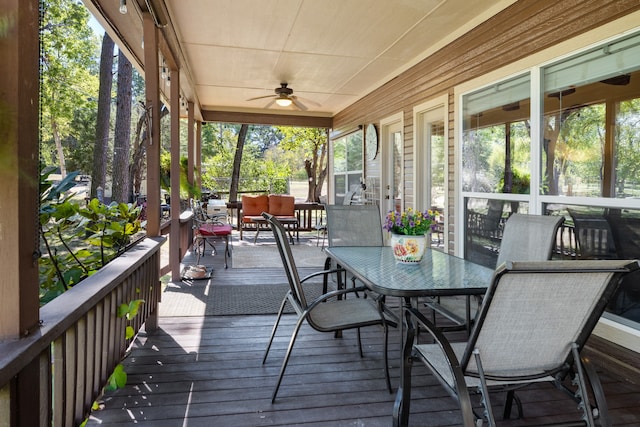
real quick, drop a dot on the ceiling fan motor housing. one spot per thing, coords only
(283, 90)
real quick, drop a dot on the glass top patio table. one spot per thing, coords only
(438, 274)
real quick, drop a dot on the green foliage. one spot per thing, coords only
(118, 378)
(69, 75)
(129, 311)
(77, 241)
(186, 189)
(258, 171)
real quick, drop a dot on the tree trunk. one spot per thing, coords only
(237, 159)
(323, 171)
(99, 174)
(137, 166)
(58, 140)
(122, 136)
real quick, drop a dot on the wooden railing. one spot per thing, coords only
(80, 341)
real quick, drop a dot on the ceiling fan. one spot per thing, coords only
(284, 97)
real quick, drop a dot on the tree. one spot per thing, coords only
(122, 137)
(237, 159)
(313, 142)
(68, 52)
(101, 146)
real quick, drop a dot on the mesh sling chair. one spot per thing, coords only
(326, 313)
(352, 225)
(534, 321)
(525, 238)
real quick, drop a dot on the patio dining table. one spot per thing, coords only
(438, 274)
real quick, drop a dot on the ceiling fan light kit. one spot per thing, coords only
(283, 101)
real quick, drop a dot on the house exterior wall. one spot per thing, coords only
(533, 26)
(526, 34)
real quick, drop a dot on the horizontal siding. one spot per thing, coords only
(520, 30)
(523, 29)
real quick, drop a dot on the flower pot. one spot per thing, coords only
(408, 249)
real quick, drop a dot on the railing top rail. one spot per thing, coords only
(61, 313)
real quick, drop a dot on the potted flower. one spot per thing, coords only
(409, 233)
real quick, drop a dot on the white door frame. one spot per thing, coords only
(388, 126)
(423, 114)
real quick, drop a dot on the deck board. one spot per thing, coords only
(207, 371)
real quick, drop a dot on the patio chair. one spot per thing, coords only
(327, 313)
(352, 225)
(525, 238)
(206, 229)
(594, 236)
(532, 326)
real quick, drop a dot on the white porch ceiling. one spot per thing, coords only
(330, 52)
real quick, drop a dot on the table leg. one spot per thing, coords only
(403, 396)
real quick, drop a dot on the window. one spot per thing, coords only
(496, 138)
(581, 155)
(347, 164)
(587, 159)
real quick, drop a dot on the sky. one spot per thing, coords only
(95, 25)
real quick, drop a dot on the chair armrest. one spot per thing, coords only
(321, 272)
(460, 385)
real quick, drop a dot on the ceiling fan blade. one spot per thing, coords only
(270, 103)
(297, 103)
(261, 97)
(309, 101)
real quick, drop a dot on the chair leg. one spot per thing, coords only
(275, 326)
(360, 343)
(582, 393)
(601, 409)
(286, 357)
(386, 357)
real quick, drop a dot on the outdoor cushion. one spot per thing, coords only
(215, 229)
(255, 205)
(280, 205)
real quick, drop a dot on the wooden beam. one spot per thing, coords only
(267, 119)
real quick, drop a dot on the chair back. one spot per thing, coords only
(348, 197)
(353, 225)
(533, 312)
(280, 235)
(594, 235)
(529, 238)
(199, 217)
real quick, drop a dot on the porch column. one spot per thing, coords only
(190, 146)
(151, 79)
(174, 241)
(19, 190)
(198, 177)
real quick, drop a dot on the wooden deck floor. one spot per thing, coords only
(207, 371)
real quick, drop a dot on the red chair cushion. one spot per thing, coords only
(215, 229)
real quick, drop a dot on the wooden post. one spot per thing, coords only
(151, 79)
(174, 241)
(19, 192)
(190, 144)
(198, 160)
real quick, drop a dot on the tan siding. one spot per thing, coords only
(519, 31)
